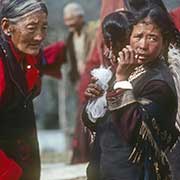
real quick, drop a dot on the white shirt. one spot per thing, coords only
(79, 48)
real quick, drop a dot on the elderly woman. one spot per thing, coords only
(23, 28)
(138, 128)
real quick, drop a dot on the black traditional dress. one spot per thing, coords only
(138, 129)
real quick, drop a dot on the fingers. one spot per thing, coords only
(92, 93)
(132, 58)
(127, 56)
(93, 90)
(126, 63)
(93, 79)
(120, 59)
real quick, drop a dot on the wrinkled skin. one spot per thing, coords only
(28, 32)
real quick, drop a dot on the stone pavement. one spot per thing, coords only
(55, 158)
(60, 171)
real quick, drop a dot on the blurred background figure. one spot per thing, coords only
(78, 44)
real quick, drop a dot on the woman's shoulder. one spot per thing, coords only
(162, 73)
(2, 78)
(157, 73)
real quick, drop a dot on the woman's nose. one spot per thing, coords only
(143, 43)
(39, 36)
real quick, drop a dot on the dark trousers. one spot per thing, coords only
(174, 159)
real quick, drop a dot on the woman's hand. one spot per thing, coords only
(127, 61)
(93, 90)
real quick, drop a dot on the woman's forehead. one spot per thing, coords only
(143, 27)
(147, 23)
(35, 18)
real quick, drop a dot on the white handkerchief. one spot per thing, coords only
(98, 107)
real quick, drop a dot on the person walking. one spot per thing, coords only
(78, 44)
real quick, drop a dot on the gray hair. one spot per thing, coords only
(15, 9)
(73, 9)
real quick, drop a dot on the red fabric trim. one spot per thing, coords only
(92, 62)
(17, 55)
(2, 80)
(114, 93)
(55, 57)
(175, 14)
(31, 72)
(9, 169)
(55, 52)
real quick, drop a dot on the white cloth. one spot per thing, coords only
(98, 107)
(79, 48)
(122, 85)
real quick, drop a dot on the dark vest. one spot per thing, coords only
(110, 152)
(161, 72)
(73, 72)
(18, 138)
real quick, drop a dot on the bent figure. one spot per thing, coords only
(23, 28)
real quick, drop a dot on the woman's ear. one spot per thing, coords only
(6, 27)
(165, 45)
(165, 48)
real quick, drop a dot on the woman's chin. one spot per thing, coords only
(33, 52)
(140, 62)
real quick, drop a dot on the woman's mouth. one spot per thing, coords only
(141, 56)
(35, 45)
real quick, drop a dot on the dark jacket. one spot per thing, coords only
(138, 129)
(18, 138)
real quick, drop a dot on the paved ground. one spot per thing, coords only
(61, 171)
(55, 158)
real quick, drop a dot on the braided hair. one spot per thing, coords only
(116, 29)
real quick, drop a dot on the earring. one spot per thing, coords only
(110, 51)
(106, 52)
(8, 33)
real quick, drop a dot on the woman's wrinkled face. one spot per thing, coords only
(28, 33)
(147, 41)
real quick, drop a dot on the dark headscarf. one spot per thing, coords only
(17, 8)
(137, 5)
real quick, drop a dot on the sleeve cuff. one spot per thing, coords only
(120, 100)
(122, 85)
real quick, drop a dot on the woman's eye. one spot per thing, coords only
(153, 38)
(45, 28)
(137, 37)
(31, 28)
